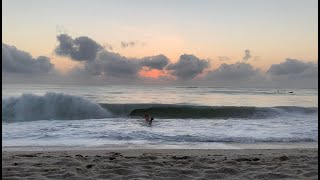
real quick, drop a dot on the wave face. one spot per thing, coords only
(200, 112)
(50, 106)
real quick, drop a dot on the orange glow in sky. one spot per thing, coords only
(154, 73)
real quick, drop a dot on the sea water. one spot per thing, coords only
(185, 116)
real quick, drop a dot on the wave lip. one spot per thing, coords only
(50, 106)
(197, 112)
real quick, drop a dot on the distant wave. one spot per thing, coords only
(243, 92)
(50, 106)
(212, 90)
(210, 112)
(188, 87)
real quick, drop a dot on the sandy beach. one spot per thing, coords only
(161, 164)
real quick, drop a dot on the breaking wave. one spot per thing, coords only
(50, 106)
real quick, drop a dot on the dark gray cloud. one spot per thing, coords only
(247, 55)
(293, 68)
(116, 65)
(155, 62)
(79, 49)
(97, 61)
(234, 72)
(294, 73)
(127, 44)
(188, 67)
(17, 61)
(112, 65)
(291, 73)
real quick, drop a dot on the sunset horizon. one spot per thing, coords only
(220, 44)
(160, 89)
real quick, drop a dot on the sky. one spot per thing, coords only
(207, 40)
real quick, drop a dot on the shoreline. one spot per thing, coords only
(214, 146)
(299, 163)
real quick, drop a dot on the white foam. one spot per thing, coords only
(50, 106)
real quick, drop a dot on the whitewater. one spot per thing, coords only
(185, 116)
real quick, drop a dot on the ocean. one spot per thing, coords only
(44, 115)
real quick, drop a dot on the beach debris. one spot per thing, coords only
(47, 156)
(89, 166)
(117, 154)
(112, 158)
(27, 155)
(247, 159)
(283, 158)
(180, 157)
(144, 157)
(130, 157)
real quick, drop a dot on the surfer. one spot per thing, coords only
(148, 118)
(151, 119)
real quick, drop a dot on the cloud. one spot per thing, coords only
(223, 58)
(99, 66)
(17, 61)
(293, 68)
(256, 58)
(60, 29)
(127, 44)
(233, 72)
(155, 62)
(188, 67)
(116, 65)
(112, 65)
(247, 55)
(294, 73)
(289, 74)
(79, 49)
(98, 61)
(107, 46)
